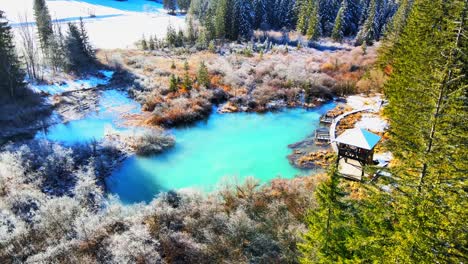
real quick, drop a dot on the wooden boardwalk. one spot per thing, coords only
(337, 120)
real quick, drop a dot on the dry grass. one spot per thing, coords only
(253, 82)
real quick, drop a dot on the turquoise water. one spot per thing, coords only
(129, 5)
(112, 104)
(224, 147)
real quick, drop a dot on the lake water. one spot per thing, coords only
(225, 147)
(112, 104)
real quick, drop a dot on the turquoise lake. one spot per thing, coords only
(225, 147)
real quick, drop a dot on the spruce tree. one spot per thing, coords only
(367, 33)
(11, 74)
(423, 218)
(202, 76)
(314, 30)
(305, 10)
(220, 24)
(328, 225)
(144, 44)
(78, 55)
(338, 29)
(44, 24)
(173, 83)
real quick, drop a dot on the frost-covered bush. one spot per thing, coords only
(153, 143)
(240, 223)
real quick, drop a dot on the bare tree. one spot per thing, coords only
(29, 48)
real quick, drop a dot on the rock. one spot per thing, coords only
(275, 105)
(219, 96)
(228, 108)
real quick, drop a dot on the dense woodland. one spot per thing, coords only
(419, 217)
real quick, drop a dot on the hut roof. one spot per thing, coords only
(358, 137)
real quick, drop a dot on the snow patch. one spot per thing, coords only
(110, 24)
(361, 101)
(372, 122)
(73, 85)
(383, 158)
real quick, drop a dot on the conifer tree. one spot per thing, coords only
(329, 224)
(183, 5)
(11, 74)
(151, 43)
(367, 33)
(78, 55)
(171, 36)
(338, 29)
(144, 44)
(314, 30)
(173, 83)
(202, 76)
(220, 24)
(84, 36)
(44, 24)
(305, 10)
(422, 219)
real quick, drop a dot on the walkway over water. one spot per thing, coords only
(337, 120)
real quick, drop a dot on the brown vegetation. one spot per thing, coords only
(166, 83)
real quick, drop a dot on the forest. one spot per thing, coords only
(55, 206)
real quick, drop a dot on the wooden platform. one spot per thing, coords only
(322, 134)
(350, 169)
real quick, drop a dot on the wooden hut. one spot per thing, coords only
(358, 145)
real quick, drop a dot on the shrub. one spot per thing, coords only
(153, 143)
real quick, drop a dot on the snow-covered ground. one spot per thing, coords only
(110, 24)
(63, 85)
(383, 158)
(372, 122)
(360, 101)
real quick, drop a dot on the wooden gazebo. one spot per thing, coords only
(356, 144)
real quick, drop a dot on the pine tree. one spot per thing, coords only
(220, 18)
(78, 57)
(84, 36)
(144, 44)
(173, 83)
(11, 74)
(367, 33)
(328, 10)
(338, 29)
(171, 36)
(202, 76)
(151, 43)
(305, 10)
(191, 32)
(329, 224)
(314, 28)
(44, 24)
(187, 82)
(242, 20)
(427, 90)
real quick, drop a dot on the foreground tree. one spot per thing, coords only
(11, 74)
(329, 224)
(427, 94)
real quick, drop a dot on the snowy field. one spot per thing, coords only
(111, 24)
